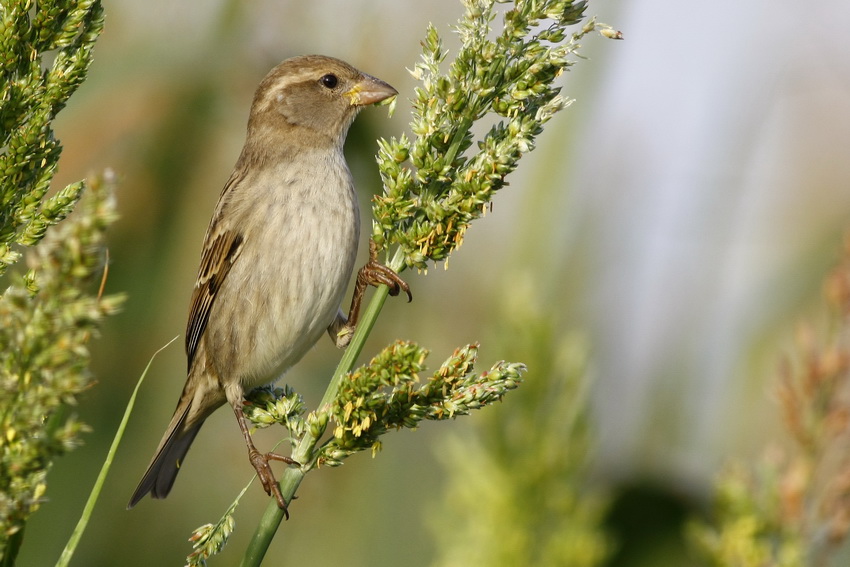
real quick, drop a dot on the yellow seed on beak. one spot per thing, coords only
(369, 91)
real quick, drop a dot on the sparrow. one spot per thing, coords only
(277, 256)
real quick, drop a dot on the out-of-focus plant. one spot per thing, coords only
(49, 314)
(435, 185)
(794, 507)
(32, 91)
(47, 318)
(518, 491)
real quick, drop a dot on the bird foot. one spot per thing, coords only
(261, 464)
(373, 273)
(344, 336)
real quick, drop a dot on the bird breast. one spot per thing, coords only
(301, 231)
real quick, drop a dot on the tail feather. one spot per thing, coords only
(162, 471)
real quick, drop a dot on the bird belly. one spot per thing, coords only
(293, 289)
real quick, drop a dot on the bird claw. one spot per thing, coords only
(260, 462)
(375, 274)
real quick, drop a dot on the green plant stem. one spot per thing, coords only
(457, 140)
(13, 546)
(305, 451)
(71, 546)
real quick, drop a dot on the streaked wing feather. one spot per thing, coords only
(221, 249)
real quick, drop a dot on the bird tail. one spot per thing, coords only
(168, 458)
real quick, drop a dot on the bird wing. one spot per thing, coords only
(221, 249)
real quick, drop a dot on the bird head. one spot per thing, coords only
(314, 97)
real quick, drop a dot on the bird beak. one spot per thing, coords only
(369, 91)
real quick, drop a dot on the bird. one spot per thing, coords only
(277, 256)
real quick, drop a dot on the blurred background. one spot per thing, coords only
(680, 216)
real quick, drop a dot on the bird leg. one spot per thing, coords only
(260, 462)
(373, 273)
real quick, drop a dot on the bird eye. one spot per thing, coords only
(330, 81)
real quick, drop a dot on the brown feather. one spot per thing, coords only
(218, 257)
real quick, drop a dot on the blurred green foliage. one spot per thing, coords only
(49, 314)
(793, 506)
(32, 91)
(519, 488)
